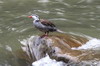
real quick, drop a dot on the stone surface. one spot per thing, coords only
(57, 46)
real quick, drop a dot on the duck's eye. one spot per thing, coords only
(37, 20)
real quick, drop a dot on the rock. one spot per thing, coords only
(57, 46)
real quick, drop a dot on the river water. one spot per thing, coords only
(73, 16)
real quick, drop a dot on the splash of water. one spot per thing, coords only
(93, 44)
(46, 61)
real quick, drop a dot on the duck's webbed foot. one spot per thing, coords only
(42, 36)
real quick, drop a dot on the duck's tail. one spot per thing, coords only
(60, 31)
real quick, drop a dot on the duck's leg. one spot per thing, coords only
(45, 35)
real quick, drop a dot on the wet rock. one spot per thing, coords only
(56, 46)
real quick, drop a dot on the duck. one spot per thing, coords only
(43, 25)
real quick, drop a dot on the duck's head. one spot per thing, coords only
(34, 16)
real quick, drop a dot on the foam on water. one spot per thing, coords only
(93, 44)
(24, 42)
(46, 61)
(8, 48)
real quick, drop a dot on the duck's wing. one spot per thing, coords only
(47, 23)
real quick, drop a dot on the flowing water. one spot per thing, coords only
(80, 17)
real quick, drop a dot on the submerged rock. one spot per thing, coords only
(57, 46)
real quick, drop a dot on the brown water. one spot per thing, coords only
(80, 17)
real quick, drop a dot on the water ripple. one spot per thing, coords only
(43, 1)
(87, 1)
(1, 2)
(42, 11)
(58, 19)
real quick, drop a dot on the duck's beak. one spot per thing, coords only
(30, 16)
